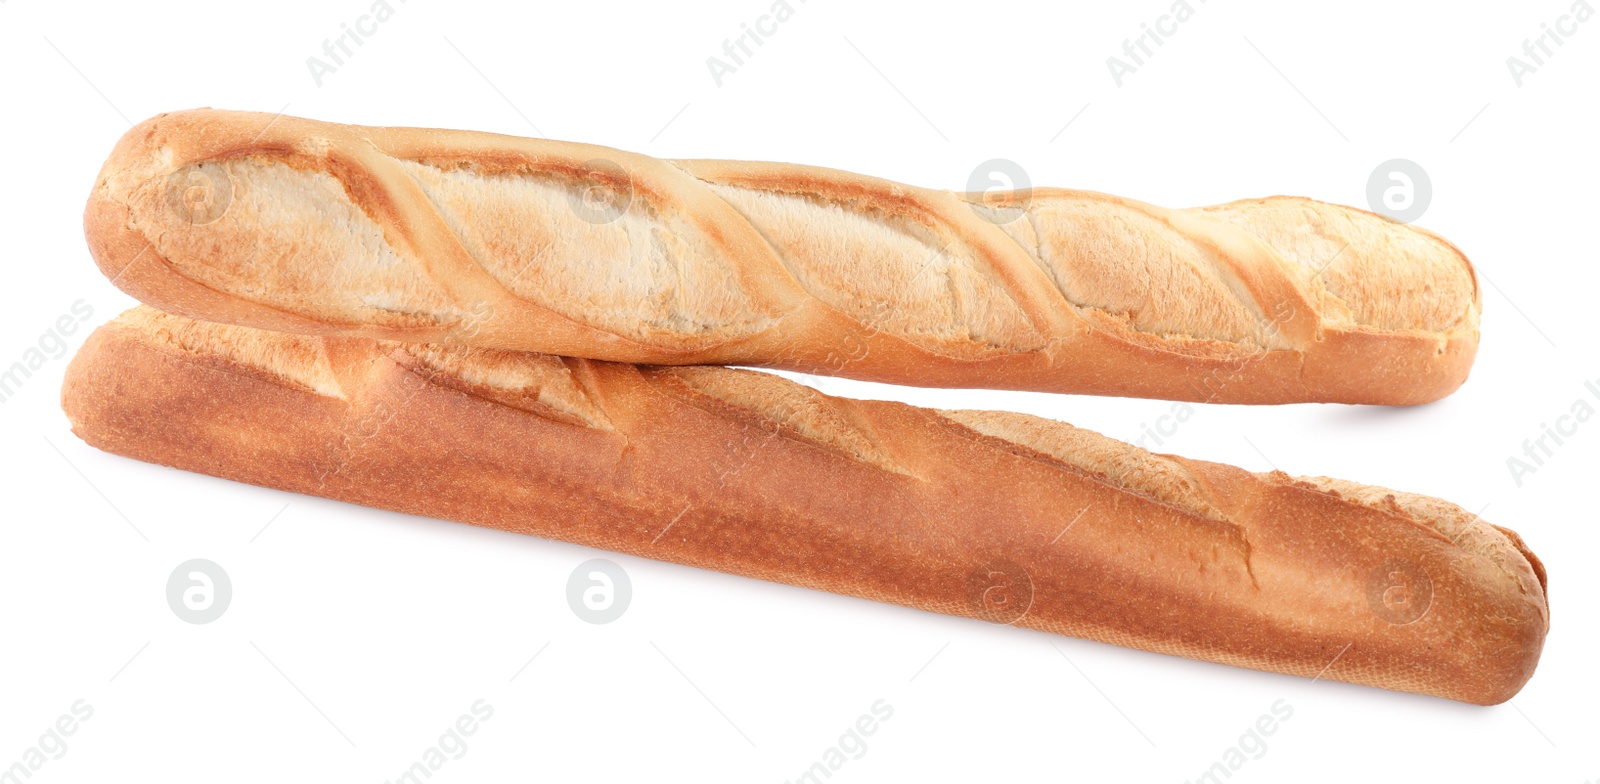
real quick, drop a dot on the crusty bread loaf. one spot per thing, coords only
(499, 242)
(992, 515)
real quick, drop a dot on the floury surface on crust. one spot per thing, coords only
(1209, 561)
(571, 249)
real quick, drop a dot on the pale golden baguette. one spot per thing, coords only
(494, 241)
(984, 514)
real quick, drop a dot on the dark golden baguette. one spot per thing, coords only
(991, 515)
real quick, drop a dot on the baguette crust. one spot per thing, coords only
(991, 515)
(492, 241)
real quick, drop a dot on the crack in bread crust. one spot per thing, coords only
(1364, 269)
(1113, 462)
(307, 248)
(888, 272)
(1464, 529)
(634, 270)
(540, 383)
(1105, 255)
(794, 409)
(293, 360)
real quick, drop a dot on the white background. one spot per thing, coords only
(356, 637)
